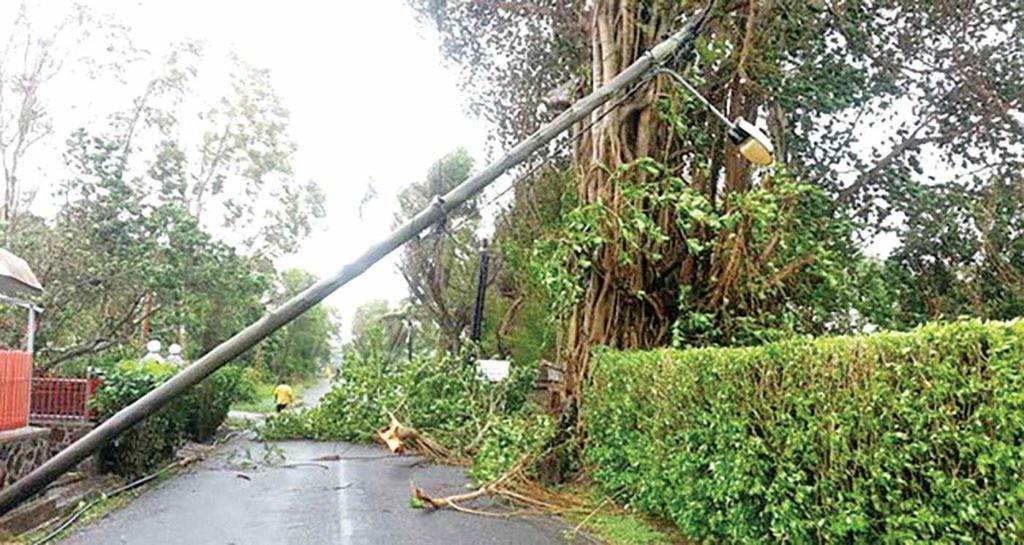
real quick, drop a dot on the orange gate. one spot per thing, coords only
(15, 387)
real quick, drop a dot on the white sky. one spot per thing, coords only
(368, 95)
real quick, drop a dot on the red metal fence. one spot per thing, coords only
(62, 398)
(15, 385)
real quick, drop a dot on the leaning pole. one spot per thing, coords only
(213, 360)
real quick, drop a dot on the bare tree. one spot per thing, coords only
(30, 59)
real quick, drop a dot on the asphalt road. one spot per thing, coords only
(281, 494)
(311, 396)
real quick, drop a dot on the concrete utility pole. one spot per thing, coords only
(35, 481)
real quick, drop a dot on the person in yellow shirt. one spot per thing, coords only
(283, 396)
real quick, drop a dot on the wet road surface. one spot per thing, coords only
(252, 494)
(308, 493)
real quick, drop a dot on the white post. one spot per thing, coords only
(30, 342)
(29, 347)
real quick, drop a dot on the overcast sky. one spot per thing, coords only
(368, 95)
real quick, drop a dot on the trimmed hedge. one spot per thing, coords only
(152, 442)
(210, 401)
(910, 438)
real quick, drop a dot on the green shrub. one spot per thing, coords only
(146, 445)
(152, 442)
(250, 382)
(506, 441)
(440, 395)
(209, 402)
(908, 438)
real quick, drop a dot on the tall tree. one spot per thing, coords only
(108, 253)
(962, 252)
(131, 247)
(31, 58)
(440, 267)
(228, 164)
(674, 234)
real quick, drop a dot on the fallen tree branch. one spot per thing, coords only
(400, 438)
(513, 485)
(449, 501)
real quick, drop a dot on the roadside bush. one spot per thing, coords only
(143, 447)
(152, 442)
(249, 381)
(209, 402)
(506, 441)
(910, 438)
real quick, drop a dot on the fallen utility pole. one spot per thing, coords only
(66, 459)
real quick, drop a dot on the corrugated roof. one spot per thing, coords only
(15, 275)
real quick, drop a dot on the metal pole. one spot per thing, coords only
(481, 293)
(686, 85)
(39, 478)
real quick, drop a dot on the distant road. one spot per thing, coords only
(307, 398)
(312, 395)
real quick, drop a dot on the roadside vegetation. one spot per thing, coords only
(819, 351)
(892, 437)
(151, 444)
(779, 416)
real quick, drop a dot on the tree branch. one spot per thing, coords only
(790, 269)
(109, 339)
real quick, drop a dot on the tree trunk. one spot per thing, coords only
(610, 314)
(635, 305)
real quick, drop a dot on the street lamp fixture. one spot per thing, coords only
(751, 141)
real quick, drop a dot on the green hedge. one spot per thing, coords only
(908, 438)
(152, 442)
(209, 403)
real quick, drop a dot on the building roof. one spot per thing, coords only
(16, 277)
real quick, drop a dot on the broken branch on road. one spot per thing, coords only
(400, 438)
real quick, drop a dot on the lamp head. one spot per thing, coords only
(752, 142)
